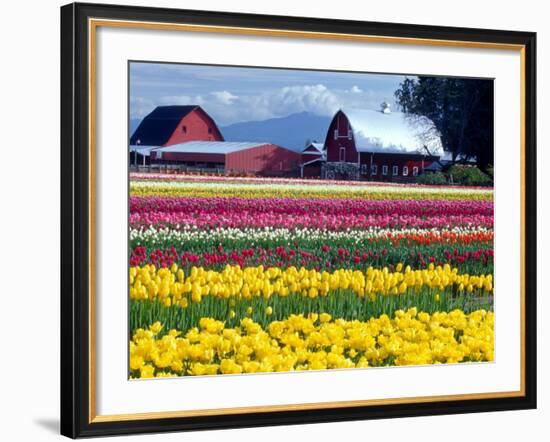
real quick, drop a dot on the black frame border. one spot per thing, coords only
(75, 194)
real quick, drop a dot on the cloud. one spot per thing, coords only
(317, 99)
(227, 107)
(224, 97)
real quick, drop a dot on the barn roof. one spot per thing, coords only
(377, 131)
(317, 146)
(216, 147)
(142, 150)
(157, 127)
(434, 167)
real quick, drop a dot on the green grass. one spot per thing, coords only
(340, 304)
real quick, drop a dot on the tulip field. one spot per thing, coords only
(236, 275)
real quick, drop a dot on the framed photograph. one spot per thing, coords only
(274, 220)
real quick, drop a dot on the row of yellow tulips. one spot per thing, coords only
(232, 190)
(312, 343)
(173, 286)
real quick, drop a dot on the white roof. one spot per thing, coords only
(142, 150)
(318, 146)
(377, 131)
(219, 147)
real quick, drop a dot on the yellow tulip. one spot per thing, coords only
(314, 342)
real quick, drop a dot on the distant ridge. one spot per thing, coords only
(291, 131)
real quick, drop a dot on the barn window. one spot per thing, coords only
(364, 168)
(384, 170)
(405, 170)
(373, 169)
(184, 129)
(415, 171)
(342, 154)
(335, 134)
(395, 170)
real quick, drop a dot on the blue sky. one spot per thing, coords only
(235, 94)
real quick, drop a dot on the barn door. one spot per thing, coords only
(342, 154)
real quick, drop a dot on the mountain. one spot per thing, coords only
(291, 131)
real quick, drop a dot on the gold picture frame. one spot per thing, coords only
(79, 51)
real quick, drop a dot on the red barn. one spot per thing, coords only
(187, 136)
(376, 145)
(168, 125)
(251, 157)
(313, 156)
(392, 166)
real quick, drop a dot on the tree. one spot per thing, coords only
(461, 110)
